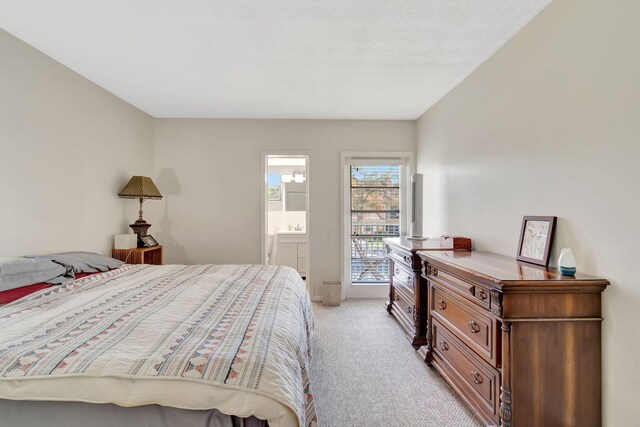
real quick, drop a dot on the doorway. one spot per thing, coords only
(285, 233)
(374, 208)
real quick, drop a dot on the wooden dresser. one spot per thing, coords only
(407, 290)
(519, 343)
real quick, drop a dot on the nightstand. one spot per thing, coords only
(152, 255)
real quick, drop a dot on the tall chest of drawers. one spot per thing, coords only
(519, 343)
(407, 290)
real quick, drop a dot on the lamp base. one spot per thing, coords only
(140, 227)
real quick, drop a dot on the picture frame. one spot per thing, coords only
(536, 238)
(149, 241)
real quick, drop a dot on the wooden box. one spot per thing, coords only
(455, 242)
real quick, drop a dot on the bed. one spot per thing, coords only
(210, 345)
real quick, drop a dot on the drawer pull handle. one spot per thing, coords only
(434, 271)
(409, 280)
(482, 294)
(444, 346)
(397, 271)
(477, 378)
(407, 259)
(409, 310)
(474, 327)
(442, 305)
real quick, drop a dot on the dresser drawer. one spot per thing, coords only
(466, 322)
(404, 258)
(404, 279)
(470, 291)
(403, 310)
(476, 380)
(405, 302)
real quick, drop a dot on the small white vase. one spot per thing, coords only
(567, 262)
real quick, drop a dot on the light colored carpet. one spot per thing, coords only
(365, 373)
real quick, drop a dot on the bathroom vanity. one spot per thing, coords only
(290, 249)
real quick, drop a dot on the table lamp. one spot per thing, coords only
(140, 187)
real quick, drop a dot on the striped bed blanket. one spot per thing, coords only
(231, 337)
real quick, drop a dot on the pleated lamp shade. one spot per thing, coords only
(140, 187)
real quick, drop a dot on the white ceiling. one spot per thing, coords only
(318, 59)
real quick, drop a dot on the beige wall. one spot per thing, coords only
(209, 171)
(66, 148)
(550, 125)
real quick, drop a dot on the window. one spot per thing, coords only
(375, 214)
(274, 187)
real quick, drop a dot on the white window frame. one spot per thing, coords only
(349, 158)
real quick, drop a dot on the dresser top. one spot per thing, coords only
(416, 245)
(500, 268)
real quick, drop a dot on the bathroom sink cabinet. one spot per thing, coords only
(292, 251)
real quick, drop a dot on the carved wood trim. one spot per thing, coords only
(427, 268)
(429, 336)
(505, 407)
(505, 388)
(423, 267)
(389, 304)
(429, 356)
(496, 302)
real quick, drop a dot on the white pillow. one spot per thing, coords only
(19, 272)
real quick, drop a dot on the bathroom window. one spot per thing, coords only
(274, 187)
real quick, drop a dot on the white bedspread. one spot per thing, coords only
(230, 337)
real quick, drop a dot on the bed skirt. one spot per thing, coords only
(24, 413)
